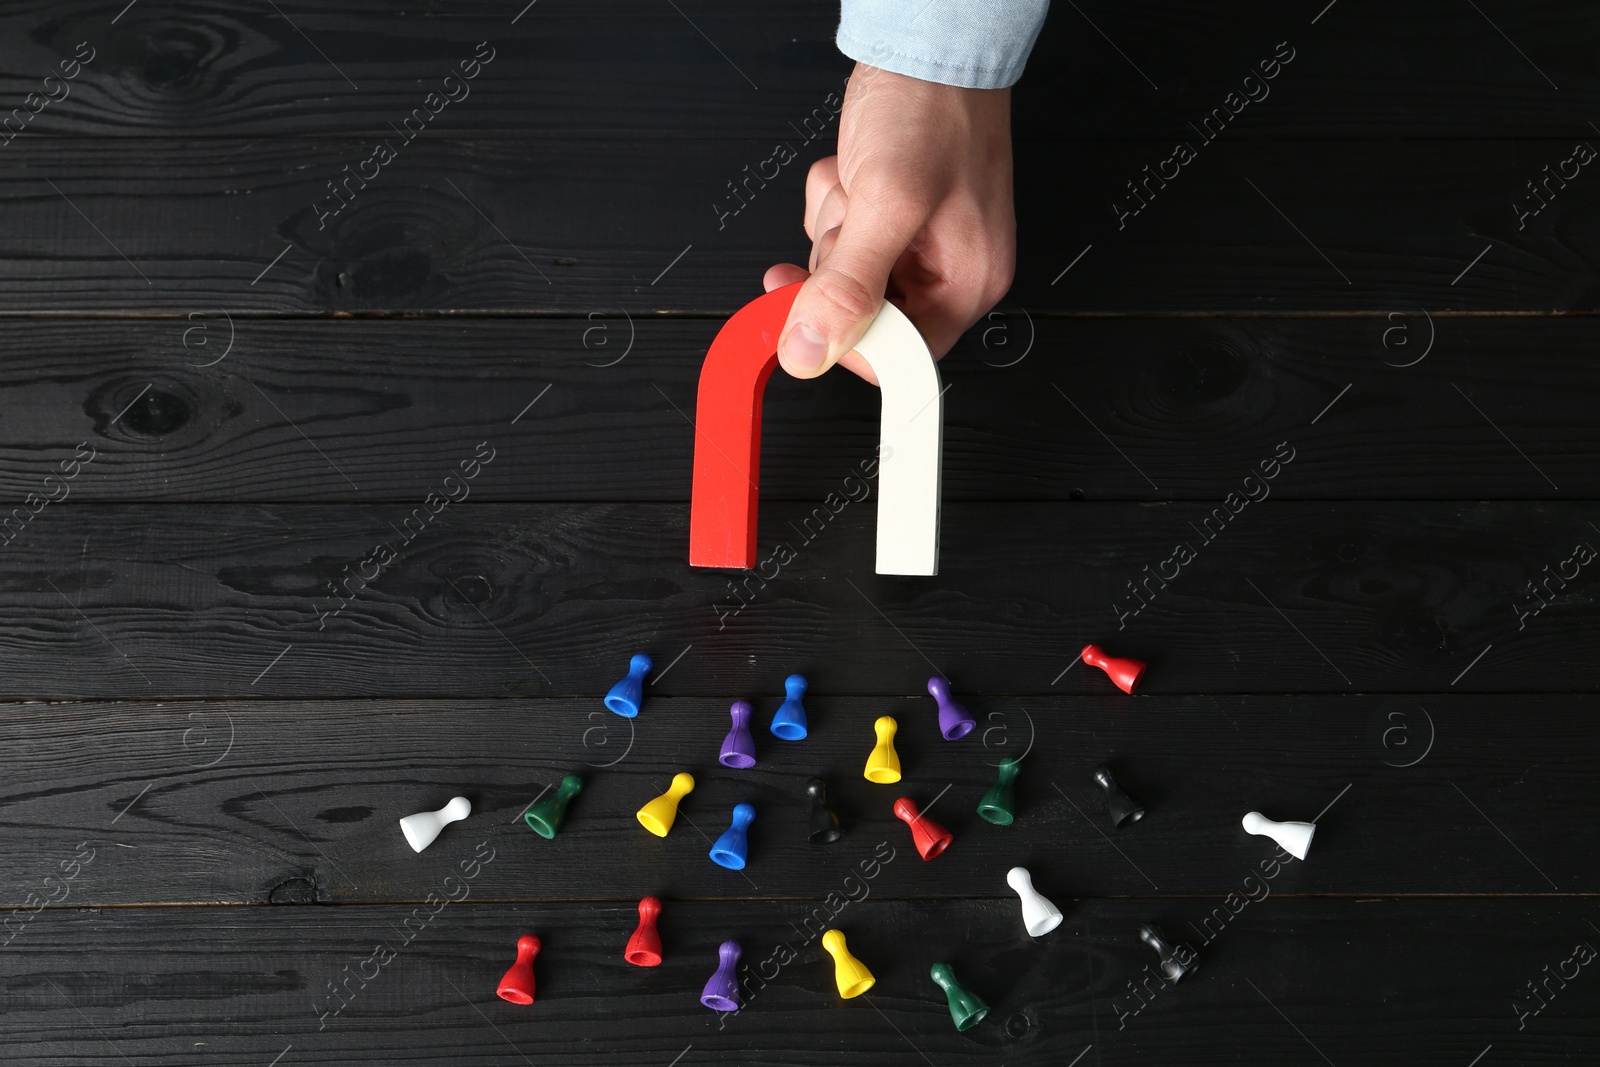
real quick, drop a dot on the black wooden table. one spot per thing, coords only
(233, 371)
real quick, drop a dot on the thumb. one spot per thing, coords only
(842, 296)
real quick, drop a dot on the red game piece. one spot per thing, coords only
(931, 838)
(644, 947)
(517, 983)
(727, 432)
(1126, 673)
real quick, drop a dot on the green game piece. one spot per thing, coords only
(966, 1009)
(999, 803)
(544, 818)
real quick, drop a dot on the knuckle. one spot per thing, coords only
(997, 283)
(844, 295)
(911, 208)
(903, 210)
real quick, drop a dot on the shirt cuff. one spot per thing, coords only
(975, 44)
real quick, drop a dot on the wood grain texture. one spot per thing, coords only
(612, 68)
(584, 226)
(1036, 408)
(540, 600)
(1424, 71)
(1358, 981)
(258, 803)
(246, 633)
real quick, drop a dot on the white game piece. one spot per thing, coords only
(910, 443)
(1295, 837)
(420, 829)
(1039, 916)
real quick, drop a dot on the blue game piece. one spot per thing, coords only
(789, 722)
(626, 696)
(739, 748)
(732, 847)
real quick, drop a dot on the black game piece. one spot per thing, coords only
(1122, 807)
(1172, 956)
(824, 823)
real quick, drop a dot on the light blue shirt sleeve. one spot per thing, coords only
(977, 44)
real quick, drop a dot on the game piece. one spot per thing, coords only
(789, 722)
(727, 437)
(626, 696)
(824, 823)
(739, 748)
(1172, 964)
(733, 848)
(420, 829)
(1293, 837)
(849, 973)
(955, 722)
(1039, 916)
(644, 947)
(658, 815)
(883, 765)
(722, 989)
(930, 838)
(967, 1009)
(544, 818)
(516, 985)
(1126, 673)
(1121, 806)
(999, 804)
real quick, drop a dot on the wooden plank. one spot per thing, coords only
(1137, 69)
(257, 803)
(1379, 982)
(569, 226)
(609, 68)
(1036, 409)
(612, 68)
(540, 600)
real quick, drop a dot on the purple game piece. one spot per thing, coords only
(955, 722)
(739, 748)
(722, 991)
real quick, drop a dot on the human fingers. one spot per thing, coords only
(842, 296)
(822, 178)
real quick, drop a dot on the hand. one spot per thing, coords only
(916, 206)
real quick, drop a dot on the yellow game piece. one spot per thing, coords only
(850, 973)
(657, 816)
(883, 766)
